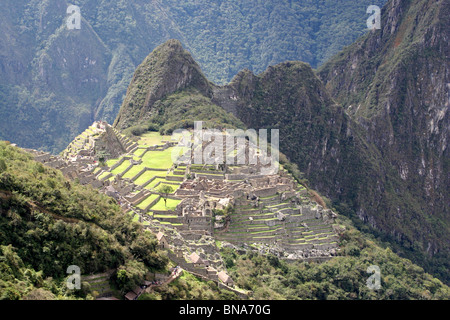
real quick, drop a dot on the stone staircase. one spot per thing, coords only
(99, 283)
(129, 145)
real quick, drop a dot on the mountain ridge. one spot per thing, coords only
(396, 87)
(49, 95)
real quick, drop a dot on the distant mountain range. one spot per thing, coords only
(54, 82)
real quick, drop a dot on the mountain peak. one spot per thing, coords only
(172, 44)
(167, 69)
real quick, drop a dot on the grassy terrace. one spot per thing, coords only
(174, 187)
(153, 138)
(171, 205)
(139, 152)
(133, 171)
(244, 236)
(111, 162)
(249, 226)
(144, 204)
(244, 217)
(152, 159)
(103, 175)
(154, 183)
(165, 216)
(244, 231)
(97, 170)
(158, 182)
(278, 205)
(147, 175)
(158, 159)
(247, 212)
(121, 168)
(252, 226)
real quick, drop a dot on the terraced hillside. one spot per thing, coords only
(99, 140)
(148, 167)
(289, 220)
(276, 210)
(234, 204)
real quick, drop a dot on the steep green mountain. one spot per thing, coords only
(54, 82)
(331, 149)
(395, 83)
(168, 89)
(48, 224)
(340, 160)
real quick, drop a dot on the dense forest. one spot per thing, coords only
(48, 224)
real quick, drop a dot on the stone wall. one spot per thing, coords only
(266, 192)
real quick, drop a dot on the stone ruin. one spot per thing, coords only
(267, 213)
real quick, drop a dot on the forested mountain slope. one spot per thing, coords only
(48, 224)
(395, 83)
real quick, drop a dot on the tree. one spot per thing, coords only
(130, 275)
(102, 156)
(165, 190)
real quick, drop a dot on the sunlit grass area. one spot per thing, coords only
(121, 168)
(174, 187)
(153, 138)
(158, 159)
(111, 162)
(139, 152)
(165, 216)
(144, 204)
(135, 170)
(161, 206)
(147, 175)
(154, 184)
(103, 175)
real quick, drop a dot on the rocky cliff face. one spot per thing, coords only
(326, 143)
(395, 83)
